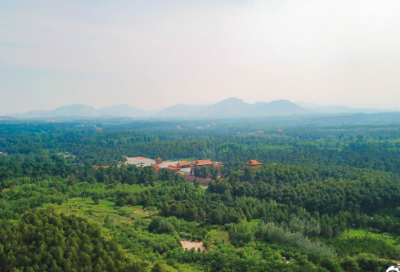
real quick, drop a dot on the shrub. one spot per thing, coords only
(331, 265)
(160, 225)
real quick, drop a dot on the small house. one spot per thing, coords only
(253, 164)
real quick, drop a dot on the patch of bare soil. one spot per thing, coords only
(193, 244)
(140, 211)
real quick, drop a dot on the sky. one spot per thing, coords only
(152, 54)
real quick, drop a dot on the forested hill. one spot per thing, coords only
(326, 198)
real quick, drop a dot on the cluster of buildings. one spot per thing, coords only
(198, 163)
(185, 165)
(3, 154)
(186, 168)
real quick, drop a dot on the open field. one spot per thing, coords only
(97, 213)
(354, 233)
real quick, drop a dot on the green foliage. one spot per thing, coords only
(352, 246)
(44, 240)
(331, 265)
(271, 232)
(292, 214)
(160, 225)
(242, 233)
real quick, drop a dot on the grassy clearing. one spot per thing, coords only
(98, 213)
(357, 241)
(255, 222)
(216, 236)
(359, 233)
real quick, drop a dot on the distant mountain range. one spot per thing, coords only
(237, 107)
(231, 107)
(6, 118)
(87, 111)
(334, 109)
(72, 110)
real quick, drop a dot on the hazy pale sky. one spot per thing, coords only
(150, 54)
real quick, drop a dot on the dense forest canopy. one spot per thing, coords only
(326, 198)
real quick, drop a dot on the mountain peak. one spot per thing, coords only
(231, 100)
(237, 107)
(229, 107)
(279, 107)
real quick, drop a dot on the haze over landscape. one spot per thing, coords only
(199, 136)
(228, 108)
(157, 54)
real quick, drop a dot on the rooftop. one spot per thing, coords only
(203, 162)
(171, 167)
(253, 162)
(182, 163)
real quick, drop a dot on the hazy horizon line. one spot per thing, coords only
(365, 106)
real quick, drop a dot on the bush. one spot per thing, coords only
(331, 265)
(160, 225)
(350, 264)
(314, 257)
(140, 223)
(369, 262)
(159, 267)
(397, 212)
(242, 233)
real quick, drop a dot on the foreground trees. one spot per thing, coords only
(45, 241)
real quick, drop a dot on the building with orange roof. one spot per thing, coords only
(173, 168)
(207, 162)
(253, 164)
(181, 165)
(218, 165)
(200, 163)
